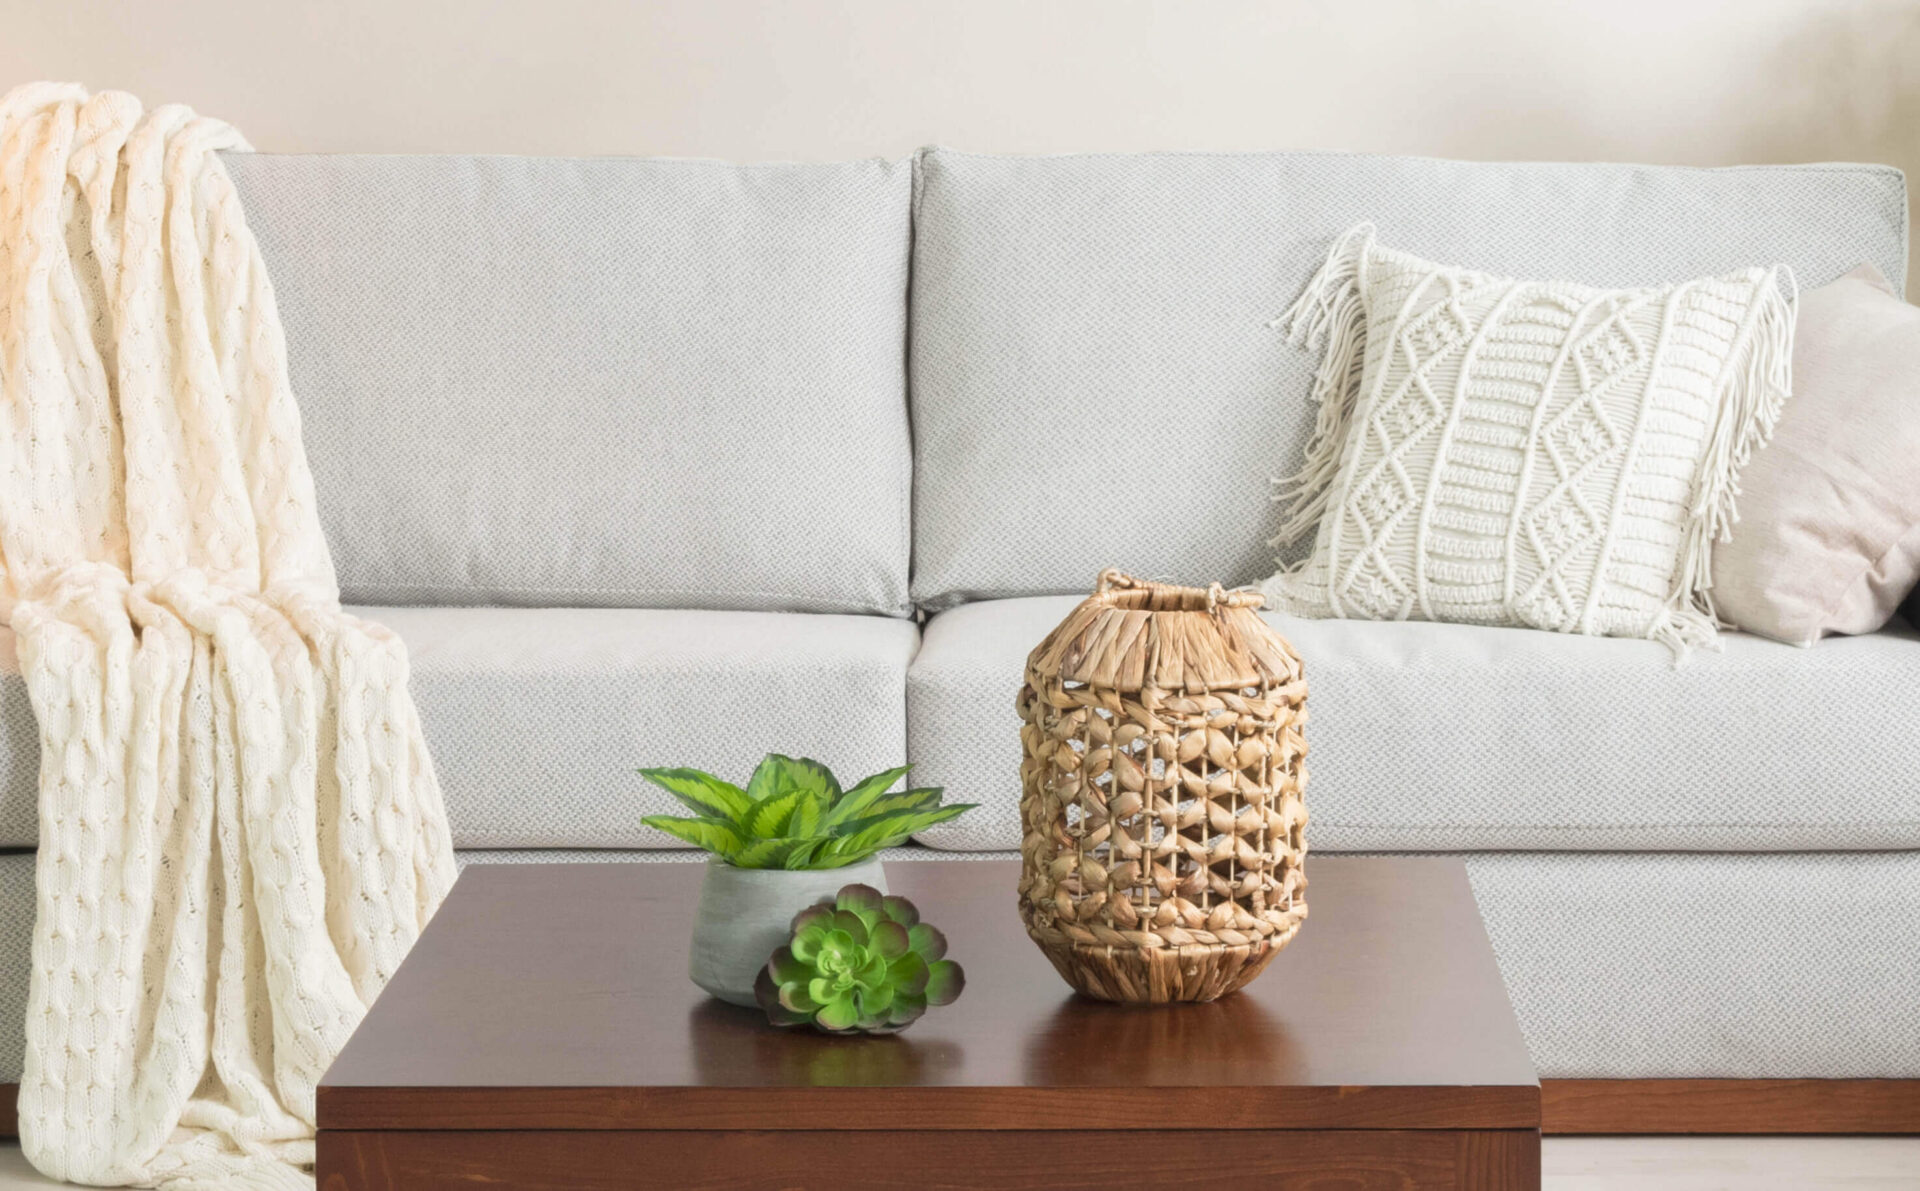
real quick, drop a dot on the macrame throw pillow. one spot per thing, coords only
(1524, 453)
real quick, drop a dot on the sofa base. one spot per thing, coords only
(1635, 1106)
(1626, 1106)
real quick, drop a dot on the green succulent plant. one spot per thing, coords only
(861, 964)
(794, 815)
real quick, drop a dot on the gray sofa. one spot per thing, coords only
(671, 462)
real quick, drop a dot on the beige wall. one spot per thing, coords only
(1694, 81)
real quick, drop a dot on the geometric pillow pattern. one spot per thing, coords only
(1523, 453)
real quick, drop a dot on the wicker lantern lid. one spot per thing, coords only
(1131, 636)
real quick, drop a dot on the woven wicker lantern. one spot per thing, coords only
(1161, 812)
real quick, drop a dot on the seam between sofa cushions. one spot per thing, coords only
(600, 159)
(582, 587)
(522, 589)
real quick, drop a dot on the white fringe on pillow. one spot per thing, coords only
(1334, 313)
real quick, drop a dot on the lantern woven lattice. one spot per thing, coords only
(1161, 811)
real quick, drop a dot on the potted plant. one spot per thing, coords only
(789, 839)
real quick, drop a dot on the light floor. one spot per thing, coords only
(1730, 1163)
(1619, 1164)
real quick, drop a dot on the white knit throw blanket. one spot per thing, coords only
(240, 829)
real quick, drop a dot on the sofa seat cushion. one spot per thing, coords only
(1431, 737)
(538, 717)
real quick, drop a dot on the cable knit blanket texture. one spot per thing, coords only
(240, 830)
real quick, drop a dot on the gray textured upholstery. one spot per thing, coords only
(1094, 381)
(1811, 960)
(1663, 965)
(16, 959)
(1431, 737)
(1424, 737)
(628, 383)
(19, 754)
(538, 717)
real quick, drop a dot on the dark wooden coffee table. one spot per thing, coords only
(544, 1034)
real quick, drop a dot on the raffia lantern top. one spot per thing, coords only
(1132, 637)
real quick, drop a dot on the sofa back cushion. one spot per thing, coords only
(1094, 381)
(635, 383)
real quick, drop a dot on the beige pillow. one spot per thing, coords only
(1828, 539)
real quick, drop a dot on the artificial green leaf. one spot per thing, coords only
(764, 853)
(906, 1009)
(927, 941)
(857, 801)
(889, 804)
(806, 852)
(799, 998)
(944, 982)
(900, 910)
(766, 780)
(715, 835)
(849, 923)
(808, 775)
(810, 934)
(872, 973)
(847, 849)
(769, 818)
(887, 823)
(862, 900)
(908, 973)
(840, 1014)
(876, 1001)
(767, 992)
(839, 943)
(884, 832)
(785, 968)
(869, 835)
(705, 794)
(778, 775)
(890, 939)
(816, 916)
(806, 817)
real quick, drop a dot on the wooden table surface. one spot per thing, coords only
(551, 1003)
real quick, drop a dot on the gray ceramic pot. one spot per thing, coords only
(745, 913)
